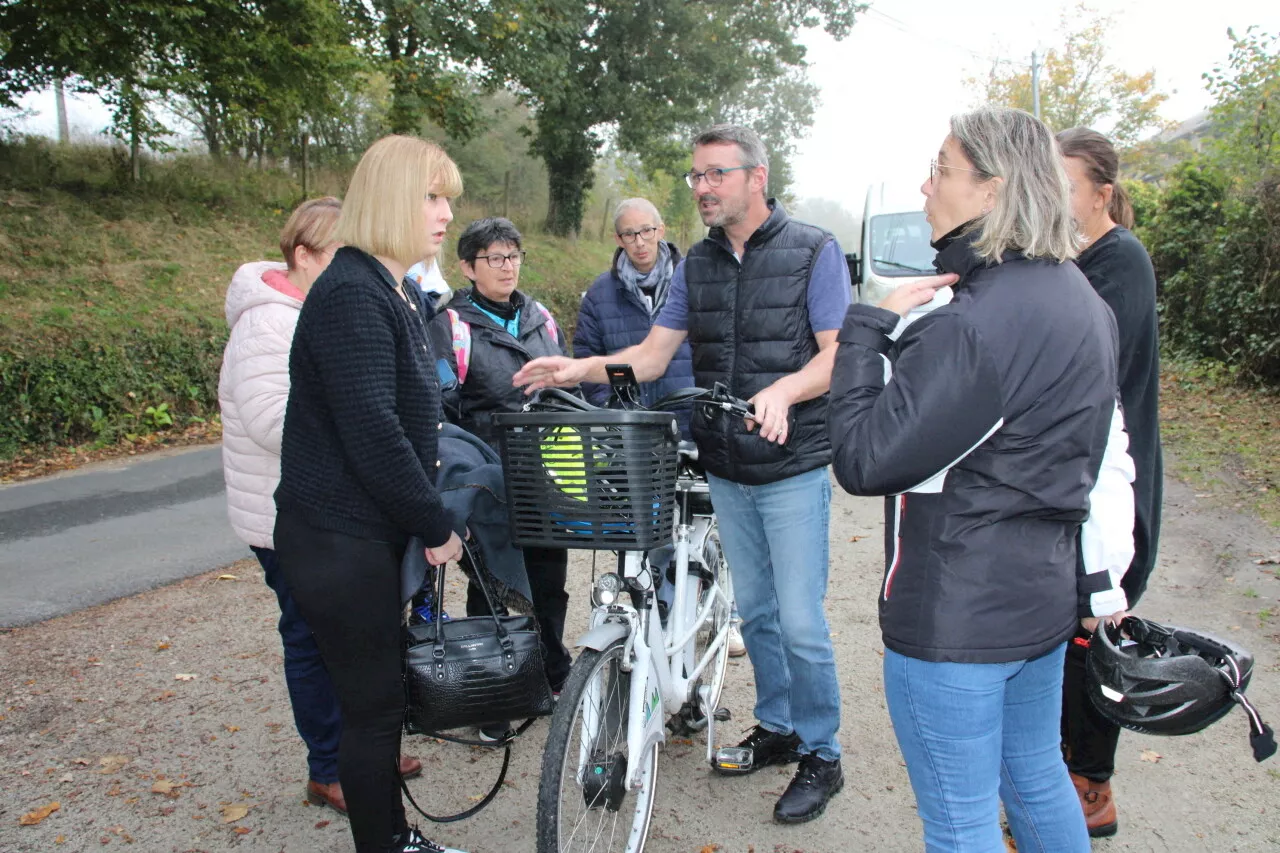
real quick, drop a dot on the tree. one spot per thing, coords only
(112, 47)
(645, 72)
(252, 74)
(1247, 104)
(1078, 86)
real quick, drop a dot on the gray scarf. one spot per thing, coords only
(657, 280)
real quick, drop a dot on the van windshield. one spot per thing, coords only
(900, 245)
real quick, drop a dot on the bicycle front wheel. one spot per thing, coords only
(583, 801)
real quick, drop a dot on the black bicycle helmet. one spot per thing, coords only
(1171, 681)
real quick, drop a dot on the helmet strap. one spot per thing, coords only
(1261, 736)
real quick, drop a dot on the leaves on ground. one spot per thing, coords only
(33, 818)
(1151, 755)
(231, 814)
(109, 764)
(184, 676)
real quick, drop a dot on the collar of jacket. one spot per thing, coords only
(530, 317)
(957, 255)
(368, 260)
(618, 253)
(778, 217)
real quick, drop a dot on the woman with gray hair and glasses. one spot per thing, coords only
(991, 426)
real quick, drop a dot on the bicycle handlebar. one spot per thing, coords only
(717, 397)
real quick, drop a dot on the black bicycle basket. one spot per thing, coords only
(602, 480)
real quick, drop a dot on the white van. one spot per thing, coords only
(895, 242)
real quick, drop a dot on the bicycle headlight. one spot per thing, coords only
(607, 589)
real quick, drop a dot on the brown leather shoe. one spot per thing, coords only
(410, 768)
(330, 795)
(1099, 807)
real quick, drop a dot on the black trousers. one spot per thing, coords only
(1089, 739)
(348, 590)
(548, 570)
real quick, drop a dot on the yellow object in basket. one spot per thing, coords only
(561, 451)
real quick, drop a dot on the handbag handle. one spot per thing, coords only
(505, 743)
(478, 571)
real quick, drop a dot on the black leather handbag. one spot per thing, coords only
(473, 671)
(470, 672)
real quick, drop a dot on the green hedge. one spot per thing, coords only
(100, 390)
(1216, 248)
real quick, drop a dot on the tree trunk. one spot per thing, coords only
(570, 156)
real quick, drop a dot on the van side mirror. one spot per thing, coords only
(855, 267)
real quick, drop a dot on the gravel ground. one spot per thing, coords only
(161, 721)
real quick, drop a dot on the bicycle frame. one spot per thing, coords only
(661, 661)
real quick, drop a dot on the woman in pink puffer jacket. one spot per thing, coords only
(263, 302)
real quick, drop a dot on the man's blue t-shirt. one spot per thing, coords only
(828, 297)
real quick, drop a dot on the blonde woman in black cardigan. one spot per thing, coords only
(358, 460)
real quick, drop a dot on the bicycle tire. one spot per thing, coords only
(717, 669)
(562, 749)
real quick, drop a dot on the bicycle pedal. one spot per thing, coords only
(723, 715)
(733, 759)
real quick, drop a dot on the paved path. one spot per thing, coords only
(110, 530)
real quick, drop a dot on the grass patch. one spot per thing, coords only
(111, 295)
(1221, 437)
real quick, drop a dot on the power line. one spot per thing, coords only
(904, 27)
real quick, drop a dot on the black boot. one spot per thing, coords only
(767, 748)
(411, 841)
(815, 782)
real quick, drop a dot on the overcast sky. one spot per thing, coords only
(889, 88)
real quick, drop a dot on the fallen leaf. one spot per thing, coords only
(111, 763)
(184, 676)
(167, 694)
(83, 762)
(161, 646)
(231, 728)
(856, 538)
(242, 830)
(167, 787)
(709, 848)
(33, 818)
(231, 814)
(1151, 755)
(321, 824)
(66, 777)
(61, 839)
(228, 578)
(1273, 560)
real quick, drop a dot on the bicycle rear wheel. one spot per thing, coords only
(583, 803)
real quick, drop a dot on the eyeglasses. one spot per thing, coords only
(646, 233)
(496, 261)
(713, 177)
(934, 166)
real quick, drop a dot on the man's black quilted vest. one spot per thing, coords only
(748, 327)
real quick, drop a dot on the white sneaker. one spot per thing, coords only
(736, 647)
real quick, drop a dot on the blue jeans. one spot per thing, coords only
(976, 734)
(775, 540)
(315, 704)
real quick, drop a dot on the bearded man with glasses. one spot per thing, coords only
(760, 300)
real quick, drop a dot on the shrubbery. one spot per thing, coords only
(101, 390)
(1214, 235)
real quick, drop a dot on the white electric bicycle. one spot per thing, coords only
(654, 658)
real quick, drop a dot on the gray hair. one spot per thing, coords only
(748, 142)
(1032, 210)
(641, 204)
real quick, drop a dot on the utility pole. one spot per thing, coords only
(1035, 84)
(60, 101)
